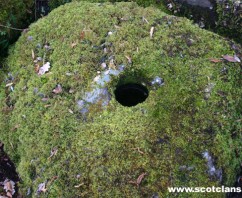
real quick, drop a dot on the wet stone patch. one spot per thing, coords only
(99, 93)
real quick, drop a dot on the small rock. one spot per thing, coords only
(157, 81)
(29, 38)
(103, 65)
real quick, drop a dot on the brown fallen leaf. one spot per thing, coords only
(58, 89)
(232, 59)
(8, 186)
(139, 180)
(215, 60)
(52, 179)
(82, 35)
(9, 195)
(4, 196)
(133, 182)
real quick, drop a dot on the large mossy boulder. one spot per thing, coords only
(69, 136)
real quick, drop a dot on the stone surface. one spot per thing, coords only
(203, 3)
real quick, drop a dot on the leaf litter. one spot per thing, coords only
(8, 186)
(139, 179)
(58, 89)
(233, 59)
(45, 68)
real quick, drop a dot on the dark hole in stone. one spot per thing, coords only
(131, 94)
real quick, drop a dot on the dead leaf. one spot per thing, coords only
(232, 59)
(8, 186)
(33, 55)
(4, 196)
(9, 195)
(52, 179)
(58, 89)
(71, 91)
(79, 185)
(36, 68)
(9, 84)
(73, 44)
(151, 31)
(140, 178)
(44, 68)
(111, 64)
(129, 59)
(53, 152)
(41, 188)
(45, 99)
(82, 35)
(15, 127)
(70, 111)
(215, 60)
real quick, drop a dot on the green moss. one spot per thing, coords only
(101, 152)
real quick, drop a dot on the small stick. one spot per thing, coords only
(141, 152)
(11, 27)
(151, 31)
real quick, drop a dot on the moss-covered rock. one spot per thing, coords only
(220, 16)
(68, 135)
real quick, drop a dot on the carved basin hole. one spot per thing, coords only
(131, 94)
